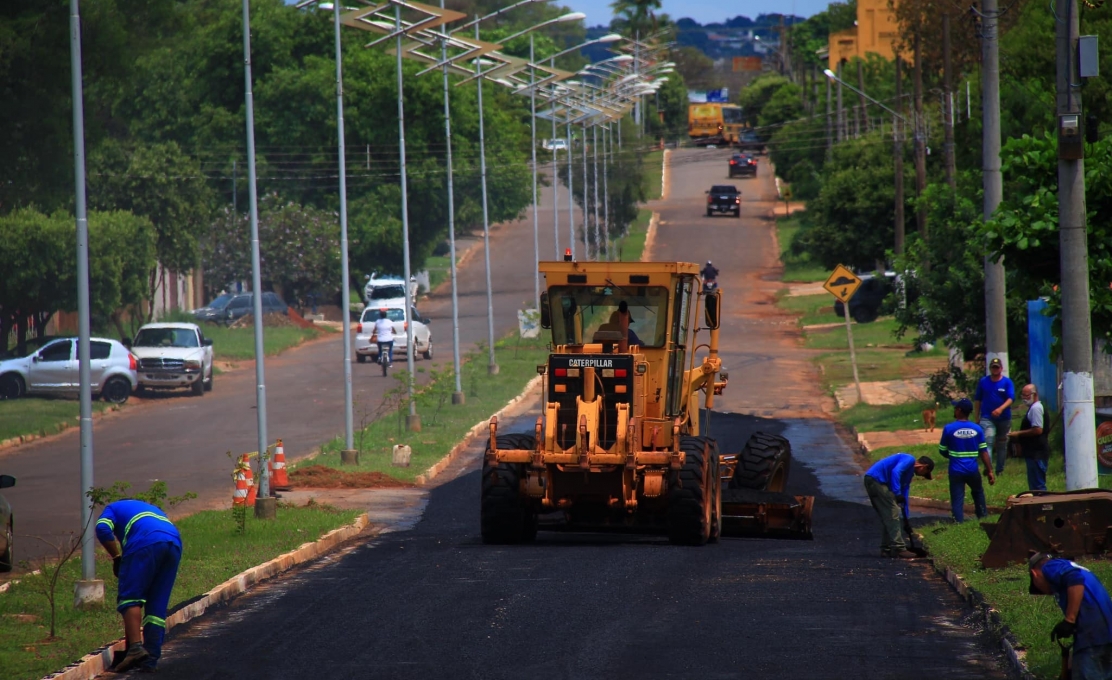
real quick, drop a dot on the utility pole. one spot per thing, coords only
(571, 192)
(996, 326)
(948, 105)
(841, 108)
(1077, 340)
(555, 179)
(412, 419)
(920, 140)
(457, 393)
(863, 121)
(492, 365)
(345, 273)
(898, 160)
(829, 122)
(533, 150)
(89, 590)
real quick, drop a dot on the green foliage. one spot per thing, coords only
(812, 35)
(757, 95)
(156, 495)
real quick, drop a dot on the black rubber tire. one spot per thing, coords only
(763, 464)
(505, 515)
(710, 213)
(864, 314)
(116, 390)
(212, 378)
(428, 352)
(7, 558)
(382, 362)
(198, 387)
(11, 386)
(361, 358)
(692, 496)
(737, 213)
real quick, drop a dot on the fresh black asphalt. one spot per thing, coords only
(434, 602)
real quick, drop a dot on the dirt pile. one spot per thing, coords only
(271, 320)
(321, 477)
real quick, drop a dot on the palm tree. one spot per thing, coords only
(635, 16)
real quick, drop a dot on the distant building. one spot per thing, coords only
(874, 33)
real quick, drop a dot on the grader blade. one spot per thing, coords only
(769, 514)
(1072, 524)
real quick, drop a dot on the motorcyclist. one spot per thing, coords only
(710, 275)
(384, 336)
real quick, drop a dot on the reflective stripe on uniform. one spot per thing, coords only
(140, 516)
(154, 621)
(107, 522)
(137, 603)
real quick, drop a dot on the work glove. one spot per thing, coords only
(116, 566)
(1063, 630)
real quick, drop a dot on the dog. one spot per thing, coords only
(929, 418)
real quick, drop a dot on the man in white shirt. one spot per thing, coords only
(1032, 438)
(384, 335)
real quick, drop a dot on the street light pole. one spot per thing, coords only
(457, 395)
(256, 273)
(571, 191)
(533, 150)
(88, 590)
(996, 320)
(345, 273)
(608, 148)
(492, 365)
(412, 420)
(594, 149)
(555, 179)
(586, 214)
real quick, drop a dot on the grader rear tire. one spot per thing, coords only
(764, 464)
(693, 518)
(505, 515)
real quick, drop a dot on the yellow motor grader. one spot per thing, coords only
(620, 445)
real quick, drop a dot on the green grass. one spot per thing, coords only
(233, 344)
(880, 333)
(654, 179)
(439, 268)
(812, 308)
(877, 365)
(632, 245)
(40, 415)
(213, 552)
(797, 268)
(870, 418)
(1030, 617)
(442, 424)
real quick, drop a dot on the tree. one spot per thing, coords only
(635, 17)
(757, 95)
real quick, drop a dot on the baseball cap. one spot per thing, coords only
(963, 404)
(995, 363)
(1033, 560)
(929, 462)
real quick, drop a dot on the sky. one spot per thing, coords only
(704, 11)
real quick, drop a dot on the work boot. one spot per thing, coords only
(135, 654)
(902, 554)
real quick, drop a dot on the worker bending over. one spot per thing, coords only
(146, 548)
(1087, 609)
(888, 482)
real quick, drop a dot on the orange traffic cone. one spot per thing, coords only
(279, 480)
(239, 496)
(252, 490)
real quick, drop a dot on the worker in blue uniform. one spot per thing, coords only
(145, 548)
(962, 443)
(888, 482)
(1087, 611)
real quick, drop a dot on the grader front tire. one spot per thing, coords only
(692, 515)
(763, 464)
(506, 516)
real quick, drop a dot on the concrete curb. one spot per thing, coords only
(96, 663)
(989, 616)
(650, 237)
(665, 183)
(479, 429)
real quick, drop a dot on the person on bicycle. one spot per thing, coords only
(384, 336)
(709, 274)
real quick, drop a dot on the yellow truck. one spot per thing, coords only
(714, 123)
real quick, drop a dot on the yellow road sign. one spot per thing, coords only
(842, 283)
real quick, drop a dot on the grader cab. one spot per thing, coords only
(620, 444)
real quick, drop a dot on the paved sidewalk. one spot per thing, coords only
(884, 393)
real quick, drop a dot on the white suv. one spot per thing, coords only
(173, 356)
(422, 336)
(389, 292)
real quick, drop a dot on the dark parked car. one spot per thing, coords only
(239, 305)
(724, 198)
(743, 164)
(213, 312)
(865, 305)
(7, 526)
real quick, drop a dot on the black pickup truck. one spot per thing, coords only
(723, 198)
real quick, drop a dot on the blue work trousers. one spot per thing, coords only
(958, 482)
(1092, 663)
(1036, 474)
(147, 576)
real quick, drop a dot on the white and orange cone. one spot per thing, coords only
(279, 480)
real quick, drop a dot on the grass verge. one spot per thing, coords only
(813, 309)
(654, 177)
(1030, 617)
(870, 418)
(213, 552)
(439, 269)
(632, 245)
(442, 424)
(40, 415)
(797, 268)
(236, 344)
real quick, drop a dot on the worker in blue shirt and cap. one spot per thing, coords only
(146, 548)
(888, 482)
(963, 442)
(1087, 613)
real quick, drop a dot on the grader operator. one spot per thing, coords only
(620, 444)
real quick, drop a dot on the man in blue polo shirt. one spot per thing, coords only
(888, 482)
(992, 410)
(1087, 611)
(146, 549)
(963, 443)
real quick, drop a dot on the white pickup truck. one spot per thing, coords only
(173, 356)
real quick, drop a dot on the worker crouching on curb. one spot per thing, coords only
(963, 442)
(146, 548)
(888, 482)
(1087, 609)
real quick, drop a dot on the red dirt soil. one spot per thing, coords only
(321, 477)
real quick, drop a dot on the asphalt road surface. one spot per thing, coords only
(184, 439)
(433, 602)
